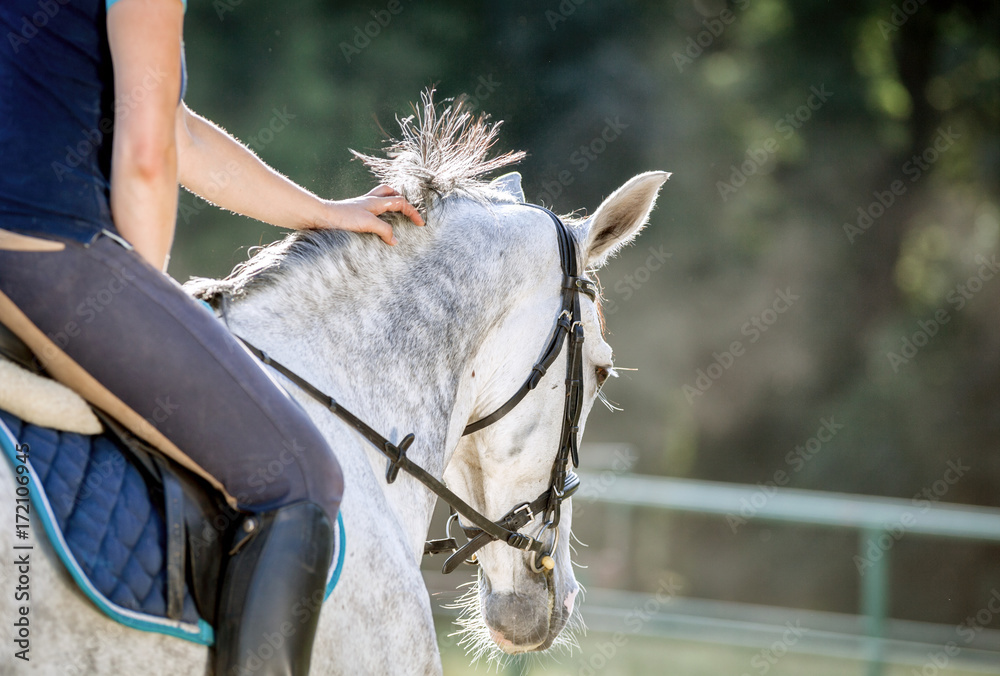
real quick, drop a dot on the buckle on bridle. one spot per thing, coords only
(565, 320)
(512, 517)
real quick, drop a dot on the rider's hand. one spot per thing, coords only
(360, 213)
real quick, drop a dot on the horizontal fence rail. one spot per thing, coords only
(872, 517)
(798, 506)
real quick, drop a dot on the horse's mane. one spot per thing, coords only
(442, 151)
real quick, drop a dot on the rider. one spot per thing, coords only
(94, 138)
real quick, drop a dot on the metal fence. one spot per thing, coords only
(872, 518)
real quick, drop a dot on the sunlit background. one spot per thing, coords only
(820, 272)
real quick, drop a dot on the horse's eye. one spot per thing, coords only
(602, 375)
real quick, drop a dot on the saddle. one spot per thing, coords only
(145, 539)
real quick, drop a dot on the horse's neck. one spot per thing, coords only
(391, 336)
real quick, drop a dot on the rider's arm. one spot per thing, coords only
(145, 40)
(217, 167)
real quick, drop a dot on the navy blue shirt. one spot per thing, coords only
(56, 117)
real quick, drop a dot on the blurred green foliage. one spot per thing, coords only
(719, 93)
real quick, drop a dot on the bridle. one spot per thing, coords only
(563, 482)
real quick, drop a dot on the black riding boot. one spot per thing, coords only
(272, 591)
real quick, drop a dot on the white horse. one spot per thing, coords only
(423, 337)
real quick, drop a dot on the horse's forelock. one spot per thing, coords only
(441, 151)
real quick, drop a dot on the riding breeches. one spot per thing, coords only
(167, 368)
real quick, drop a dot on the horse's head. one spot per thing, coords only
(523, 605)
(498, 271)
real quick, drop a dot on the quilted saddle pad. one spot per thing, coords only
(97, 512)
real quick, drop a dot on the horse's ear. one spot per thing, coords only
(510, 184)
(620, 217)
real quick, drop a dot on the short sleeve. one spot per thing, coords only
(111, 2)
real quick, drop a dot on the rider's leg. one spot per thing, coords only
(166, 358)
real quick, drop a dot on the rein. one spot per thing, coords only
(562, 483)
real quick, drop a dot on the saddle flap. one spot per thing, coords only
(198, 522)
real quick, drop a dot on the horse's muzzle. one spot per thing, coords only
(527, 620)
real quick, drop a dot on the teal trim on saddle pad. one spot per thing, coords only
(338, 567)
(200, 633)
